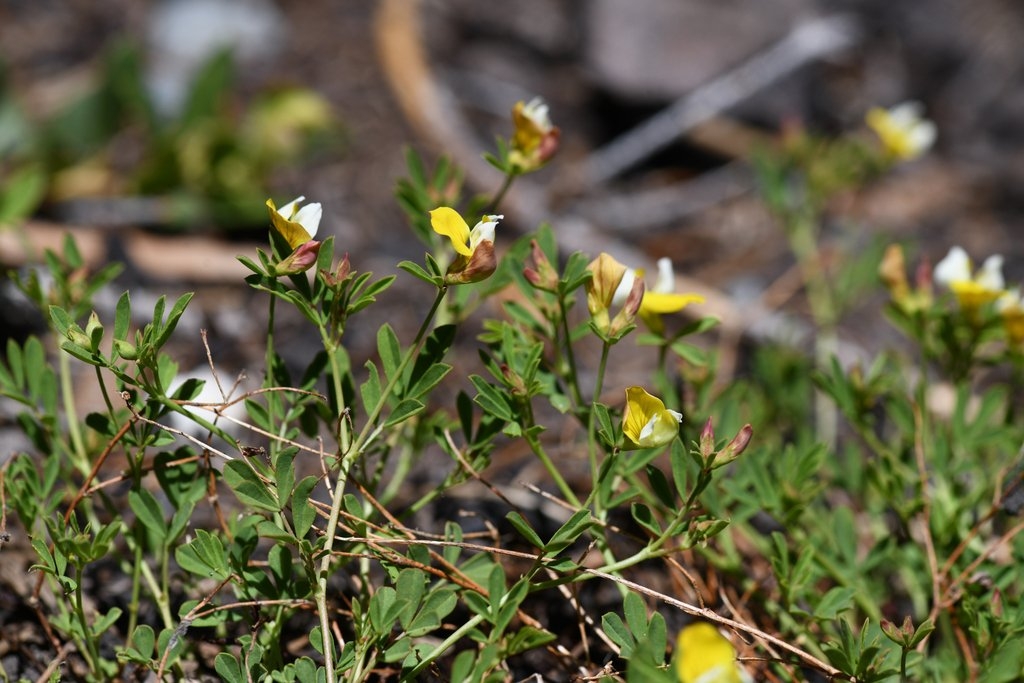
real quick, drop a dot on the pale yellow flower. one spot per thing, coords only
(535, 139)
(647, 423)
(972, 290)
(903, 130)
(1011, 308)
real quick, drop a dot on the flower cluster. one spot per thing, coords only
(973, 289)
(613, 284)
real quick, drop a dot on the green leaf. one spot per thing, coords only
(835, 602)
(389, 349)
(143, 639)
(303, 512)
(228, 668)
(645, 518)
(416, 271)
(204, 556)
(147, 510)
(569, 532)
(660, 486)
(428, 380)
(122, 317)
(403, 411)
(525, 530)
(491, 399)
(249, 488)
(177, 310)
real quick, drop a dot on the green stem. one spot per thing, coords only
(591, 421)
(339, 487)
(502, 191)
(570, 356)
(71, 416)
(549, 465)
(91, 654)
(803, 241)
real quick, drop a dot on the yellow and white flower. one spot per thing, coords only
(535, 139)
(296, 225)
(704, 655)
(972, 290)
(904, 132)
(475, 248)
(1011, 309)
(659, 299)
(646, 422)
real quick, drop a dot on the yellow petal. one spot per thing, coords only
(291, 231)
(657, 302)
(646, 422)
(704, 655)
(606, 275)
(447, 221)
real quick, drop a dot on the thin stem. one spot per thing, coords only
(500, 194)
(71, 416)
(339, 488)
(549, 465)
(570, 356)
(591, 422)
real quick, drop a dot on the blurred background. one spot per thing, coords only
(155, 130)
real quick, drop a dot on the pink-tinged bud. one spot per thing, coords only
(300, 260)
(340, 274)
(539, 272)
(548, 146)
(629, 310)
(892, 270)
(707, 441)
(734, 448)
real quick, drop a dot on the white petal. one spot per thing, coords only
(288, 209)
(991, 274)
(666, 282)
(648, 429)
(678, 416)
(483, 231)
(624, 288)
(956, 267)
(309, 217)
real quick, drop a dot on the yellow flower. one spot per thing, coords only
(972, 291)
(297, 226)
(476, 260)
(704, 655)
(1011, 308)
(904, 132)
(660, 298)
(647, 423)
(535, 139)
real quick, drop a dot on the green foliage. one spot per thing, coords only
(302, 526)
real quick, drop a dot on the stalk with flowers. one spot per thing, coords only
(779, 551)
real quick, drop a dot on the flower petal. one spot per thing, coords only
(483, 231)
(282, 219)
(646, 422)
(955, 267)
(657, 303)
(704, 655)
(447, 221)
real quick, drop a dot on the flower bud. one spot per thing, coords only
(300, 260)
(540, 273)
